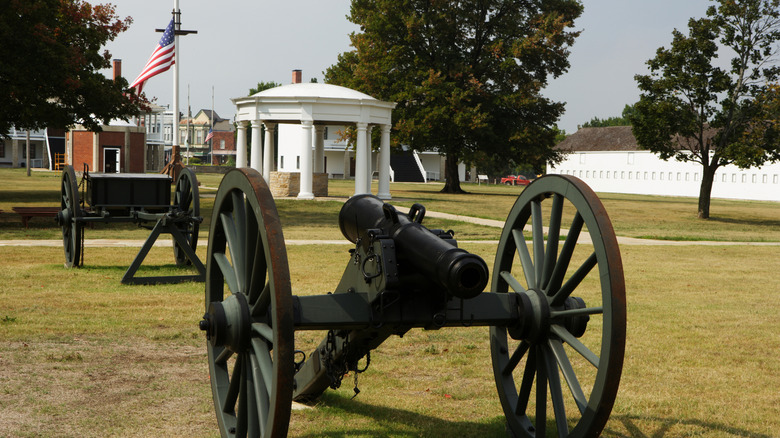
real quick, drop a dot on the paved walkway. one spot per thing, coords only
(584, 239)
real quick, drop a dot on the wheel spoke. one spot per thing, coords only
(518, 354)
(553, 234)
(527, 384)
(235, 246)
(538, 240)
(541, 394)
(223, 356)
(261, 394)
(260, 307)
(575, 343)
(574, 280)
(568, 374)
(576, 312)
(235, 386)
(242, 417)
(263, 330)
(525, 257)
(252, 407)
(264, 361)
(562, 265)
(227, 271)
(512, 282)
(556, 391)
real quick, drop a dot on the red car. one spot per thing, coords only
(515, 180)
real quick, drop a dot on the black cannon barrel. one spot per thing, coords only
(463, 274)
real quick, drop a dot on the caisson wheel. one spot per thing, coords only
(70, 211)
(187, 199)
(249, 313)
(558, 371)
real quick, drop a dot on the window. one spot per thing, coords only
(587, 174)
(298, 162)
(601, 174)
(764, 178)
(753, 178)
(653, 176)
(222, 144)
(199, 136)
(637, 174)
(2, 149)
(687, 176)
(582, 158)
(774, 179)
(623, 175)
(629, 175)
(630, 157)
(670, 176)
(744, 177)
(325, 133)
(679, 176)
(723, 178)
(281, 162)
(733, 177)
(661, 175)
(695, 176)
(645, 175)
(614, 175)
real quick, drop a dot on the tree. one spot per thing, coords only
(52, 56)
(623, 120)
(262, 86)
(466, 76)
(691, 109)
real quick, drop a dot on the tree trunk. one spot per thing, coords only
(705, 192)
(452, 180)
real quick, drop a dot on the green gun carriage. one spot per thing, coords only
(140, 198)
(556, 333)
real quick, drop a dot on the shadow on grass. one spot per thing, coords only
(393, 422)
(749, 221)
(657, 427)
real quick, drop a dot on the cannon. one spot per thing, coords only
(555, 307)
(143, 199)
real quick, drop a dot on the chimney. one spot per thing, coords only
(297, 76)
(117, 68)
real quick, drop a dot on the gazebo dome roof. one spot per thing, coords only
(313, 90)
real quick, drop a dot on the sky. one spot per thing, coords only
(242, 42)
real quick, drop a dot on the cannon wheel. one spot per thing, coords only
(250, 328)
(72, 229)
(187, 199)
(575, 324)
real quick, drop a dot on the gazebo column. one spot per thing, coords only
(256, 161)
(241, 144)
(384, 164)
(268, 151)
(306, 161)
(347, 155)
(369, 158)
(319, 149)
(361, 150)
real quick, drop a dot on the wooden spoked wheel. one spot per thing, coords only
(70, 211)
(558, 371)
(186, 199)
(249, 312)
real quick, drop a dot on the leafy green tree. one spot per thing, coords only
(623, 120)
(466, 76)
(49, 76)
(691, 109)
(262, 86)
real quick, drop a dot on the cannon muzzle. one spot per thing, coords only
(462, 274)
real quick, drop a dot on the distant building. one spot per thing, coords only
(610, 160)
(192, 138)
(46, 147)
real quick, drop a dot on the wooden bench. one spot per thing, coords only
(28, 213)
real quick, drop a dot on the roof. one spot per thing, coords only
(314, 90)
(610, 138)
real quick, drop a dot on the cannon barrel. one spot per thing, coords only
(461, 273)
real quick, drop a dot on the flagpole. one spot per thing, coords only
(211, 129)
(175, 150)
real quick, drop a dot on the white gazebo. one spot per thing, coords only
(312, 106)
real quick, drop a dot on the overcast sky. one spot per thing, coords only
(242, 42)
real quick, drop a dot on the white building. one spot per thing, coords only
(609, 160)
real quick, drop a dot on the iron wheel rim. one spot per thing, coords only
(186, 199)
(70, 211)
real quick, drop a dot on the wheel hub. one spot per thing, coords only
(227, 323)
(536, 319)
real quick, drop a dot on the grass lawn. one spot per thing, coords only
(82, 355)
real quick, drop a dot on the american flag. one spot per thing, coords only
(161, 60)
(209, 136)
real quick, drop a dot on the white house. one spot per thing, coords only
(609, 160)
